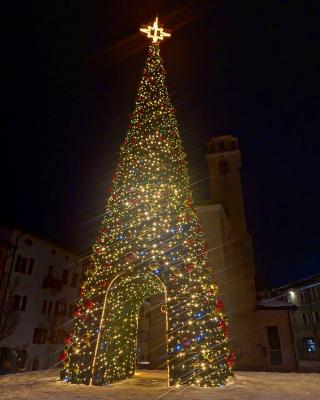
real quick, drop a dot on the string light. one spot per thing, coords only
(150, 242)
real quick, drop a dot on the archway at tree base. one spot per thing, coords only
(114, 357)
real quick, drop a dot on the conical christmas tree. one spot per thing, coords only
(150, 242)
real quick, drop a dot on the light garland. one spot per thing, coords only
(150, 242)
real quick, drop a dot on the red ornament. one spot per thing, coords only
(81, 292)
(67, 340)
(77, 312)
(231, 359)
(222, 324)
(107, 265)
(63, 356)
(89, 304)
(186, 342)
(189, 267)
(219, 305)
(224, 327)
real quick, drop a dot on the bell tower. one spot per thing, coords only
(224, 161)
(238, 286)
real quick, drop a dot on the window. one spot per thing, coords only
(221, 145)
(74, 281)
(49, 307)
(16, 302)
(65, 275)
(223, 167)
(305, 319)
(28, 242)
(39, 335)
(302, 297)
(314, 293)
(19, 303)
(31, 263)
(24, 265)
(316, 316)
(44, 306)
(275, 352)
(24, 303)
(53, 251)
(310, 344)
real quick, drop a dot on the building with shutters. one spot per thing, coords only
(305, 295)
(40, 282)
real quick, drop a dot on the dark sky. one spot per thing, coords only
(251, 69)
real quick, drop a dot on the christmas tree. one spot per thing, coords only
(150, 242)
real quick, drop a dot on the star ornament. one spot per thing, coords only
(155, 32)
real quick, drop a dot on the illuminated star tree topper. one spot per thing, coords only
(155, 32)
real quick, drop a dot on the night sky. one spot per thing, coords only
(250, 69)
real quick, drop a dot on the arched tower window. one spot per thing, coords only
(223, 167)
